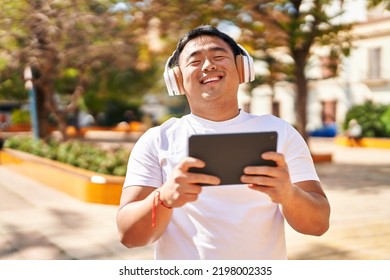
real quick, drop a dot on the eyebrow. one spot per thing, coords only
(211, 49)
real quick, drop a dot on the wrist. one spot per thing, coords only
(157, 201)
(160, 199)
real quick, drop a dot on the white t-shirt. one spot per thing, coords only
(226, 222)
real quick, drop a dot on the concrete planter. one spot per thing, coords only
(381, 143)
(18, 128)
(318, 158)
(85, 185)
(82, 184)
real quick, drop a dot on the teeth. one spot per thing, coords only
(211, 79)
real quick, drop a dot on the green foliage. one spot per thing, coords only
(75, 153)
(373, 118)
(385, 119)
(20, 116)
(112, 107)
(11, 86)
(74, 47)
(376, 3)
(112, 51)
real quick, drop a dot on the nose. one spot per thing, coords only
(208, 65)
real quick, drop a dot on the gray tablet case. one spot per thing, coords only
(226, 155)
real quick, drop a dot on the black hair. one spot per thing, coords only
(203, 30)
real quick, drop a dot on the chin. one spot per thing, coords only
(211, 95)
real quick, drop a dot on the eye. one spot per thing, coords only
(219, 57)
(194, 62)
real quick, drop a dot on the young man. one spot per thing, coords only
(163, 202)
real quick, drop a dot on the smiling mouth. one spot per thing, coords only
(211, 79)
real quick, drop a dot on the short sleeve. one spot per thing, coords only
(143, 168)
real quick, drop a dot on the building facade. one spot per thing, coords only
(363, 76)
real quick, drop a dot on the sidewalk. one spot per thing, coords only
(38, 222)
(357, 184)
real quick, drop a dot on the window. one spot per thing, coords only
(374, 63)
(329, 66)
(276, 108)
(328, 111)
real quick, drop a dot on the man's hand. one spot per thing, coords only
(183, 186)
(304, 204)
(274, 181)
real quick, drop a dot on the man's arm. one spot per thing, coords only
(134, 218)
(307, 210)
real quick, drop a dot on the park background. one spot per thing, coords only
(90, 72)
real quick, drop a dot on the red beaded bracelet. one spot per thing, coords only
(157, 200)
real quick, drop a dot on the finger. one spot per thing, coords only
(183, 194)
(258, 180)
(259, 170)
(189, 162)
(187, 177)
(203, 179)
(188, 188)
(190, 197)
(264, 189)
(183, 199)
(278, 158)
(261, 188)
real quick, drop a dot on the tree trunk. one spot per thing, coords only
(302, 93)
(47, 108)
(43, 113)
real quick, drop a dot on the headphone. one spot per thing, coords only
(174, 79)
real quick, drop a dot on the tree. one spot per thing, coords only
(291, 27)
(77, 39)
(375, 3)
(294, 28)
(78, 42)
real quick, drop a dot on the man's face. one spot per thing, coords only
(209, 71)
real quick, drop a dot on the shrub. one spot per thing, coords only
(76, 153)
(385, 119)
(20, 116)
(372, 117)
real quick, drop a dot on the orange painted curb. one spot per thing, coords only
(82, 184)
(381, 143)
(317, 158)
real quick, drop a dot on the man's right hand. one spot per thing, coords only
(184, 186)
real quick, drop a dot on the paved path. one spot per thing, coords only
(37, 222)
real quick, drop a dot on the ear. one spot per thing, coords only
(179, 80)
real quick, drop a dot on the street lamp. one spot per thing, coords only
(33, 100)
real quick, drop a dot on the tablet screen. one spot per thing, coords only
(226, 155)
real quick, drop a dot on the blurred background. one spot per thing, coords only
(65, 65)
(81, 80)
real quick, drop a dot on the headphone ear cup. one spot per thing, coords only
(245, 66)
(240, 68)
(178, 80)
(174, 81)
(168, 82)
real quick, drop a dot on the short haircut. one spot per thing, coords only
(203, 30)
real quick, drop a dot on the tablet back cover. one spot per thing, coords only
(226, 155)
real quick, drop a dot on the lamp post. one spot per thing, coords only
(33, 100)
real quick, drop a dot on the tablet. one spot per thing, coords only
(226, 155)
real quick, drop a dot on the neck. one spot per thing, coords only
(218, 117)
